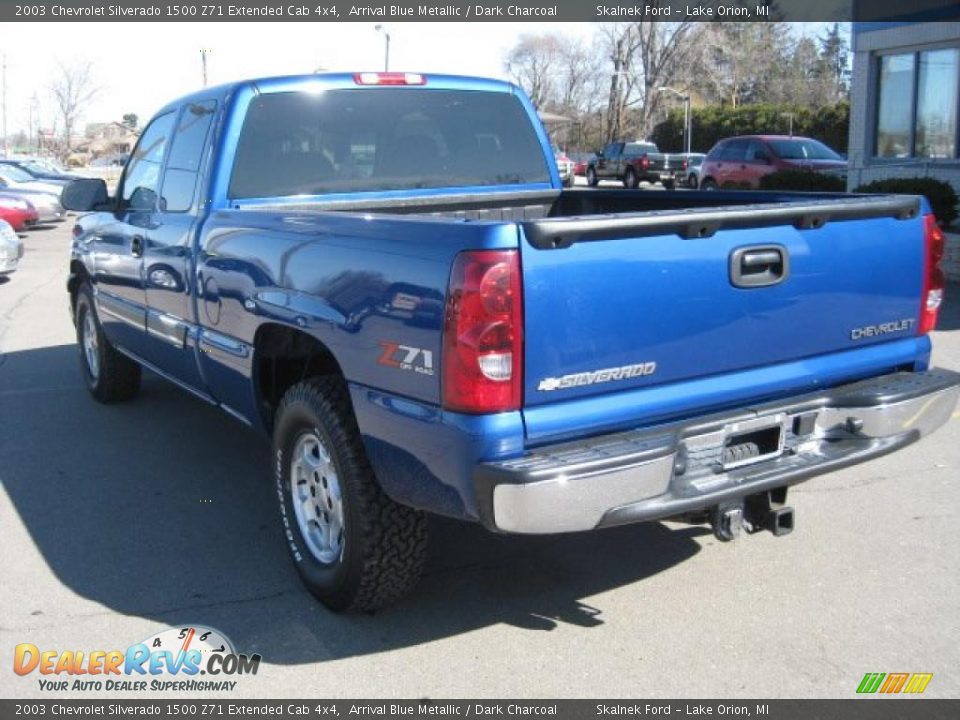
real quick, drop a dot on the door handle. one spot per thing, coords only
(761, 258)
(136, 246)
(755, 267)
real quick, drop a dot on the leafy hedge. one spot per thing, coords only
(942, 196)
(829, 124)
(803, 180)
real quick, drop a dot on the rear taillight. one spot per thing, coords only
(933, 279)
(389, 78)
(644, 162)
(483, 333)
(685, 164)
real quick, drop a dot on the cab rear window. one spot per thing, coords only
(384, 139)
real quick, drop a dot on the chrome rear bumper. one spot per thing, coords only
(682, 467)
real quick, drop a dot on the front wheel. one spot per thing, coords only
(592, 179)
(354, 548)
(709, 184)
(110, 375)
(668, 185)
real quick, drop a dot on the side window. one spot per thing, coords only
(717, 152)
(141, 180)
(735, 150)
(756, 152)
(183, 164)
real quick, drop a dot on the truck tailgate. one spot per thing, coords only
(619, 304)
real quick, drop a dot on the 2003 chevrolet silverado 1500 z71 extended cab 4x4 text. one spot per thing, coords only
(383, 271)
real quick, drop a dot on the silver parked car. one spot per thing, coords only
(11, 248)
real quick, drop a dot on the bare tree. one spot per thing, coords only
(577, 78)
(643, 57)
(742, 62)
(532, 64)
(619, 42)
(72, 89)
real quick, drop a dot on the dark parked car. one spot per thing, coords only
(631, 163)
(742, 161)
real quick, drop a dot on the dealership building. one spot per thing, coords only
(904, 107)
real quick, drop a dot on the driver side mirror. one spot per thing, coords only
(85, 195)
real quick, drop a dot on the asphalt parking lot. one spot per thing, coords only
(117, 522)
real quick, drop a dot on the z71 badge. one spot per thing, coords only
(404, 357)
(597, 376)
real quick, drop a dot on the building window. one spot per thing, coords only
(936, 134)
(918, 97)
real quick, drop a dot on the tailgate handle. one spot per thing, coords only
(753, 267)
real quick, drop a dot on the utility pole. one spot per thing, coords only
(687, 115)
(386, 51)
(789, 116)
(5, 148)
(34, 124)
(203, 61)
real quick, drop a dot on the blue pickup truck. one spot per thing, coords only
(384, 272)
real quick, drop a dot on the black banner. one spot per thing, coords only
(860, 709)
(480, 11)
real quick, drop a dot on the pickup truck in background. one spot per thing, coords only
(383, 272)
(631, 163)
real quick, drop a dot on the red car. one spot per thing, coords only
(20, 213)
(740, 162)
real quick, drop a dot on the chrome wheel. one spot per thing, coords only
(316, 498)
(90, 344)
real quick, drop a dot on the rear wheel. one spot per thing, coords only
(592, 179)
(630, 179)
(692, 182)
(354, 548)
(709, 184)
(110, 375)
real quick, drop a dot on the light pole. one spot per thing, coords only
(203, 64)
(789, 116)
(386, 46)
(687, 116)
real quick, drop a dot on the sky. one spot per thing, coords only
(139, 67)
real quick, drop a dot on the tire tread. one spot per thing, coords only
(393, 536)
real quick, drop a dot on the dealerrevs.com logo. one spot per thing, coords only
(172, 660)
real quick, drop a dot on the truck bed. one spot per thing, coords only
(662, 208)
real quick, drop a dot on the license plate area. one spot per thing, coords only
(752, 441)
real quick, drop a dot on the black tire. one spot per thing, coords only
(668, 185)
(115, 377)
(709, 184)
(692, 182)
(384, 544)
(568, 182)
(630, 179)
(592, 179)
